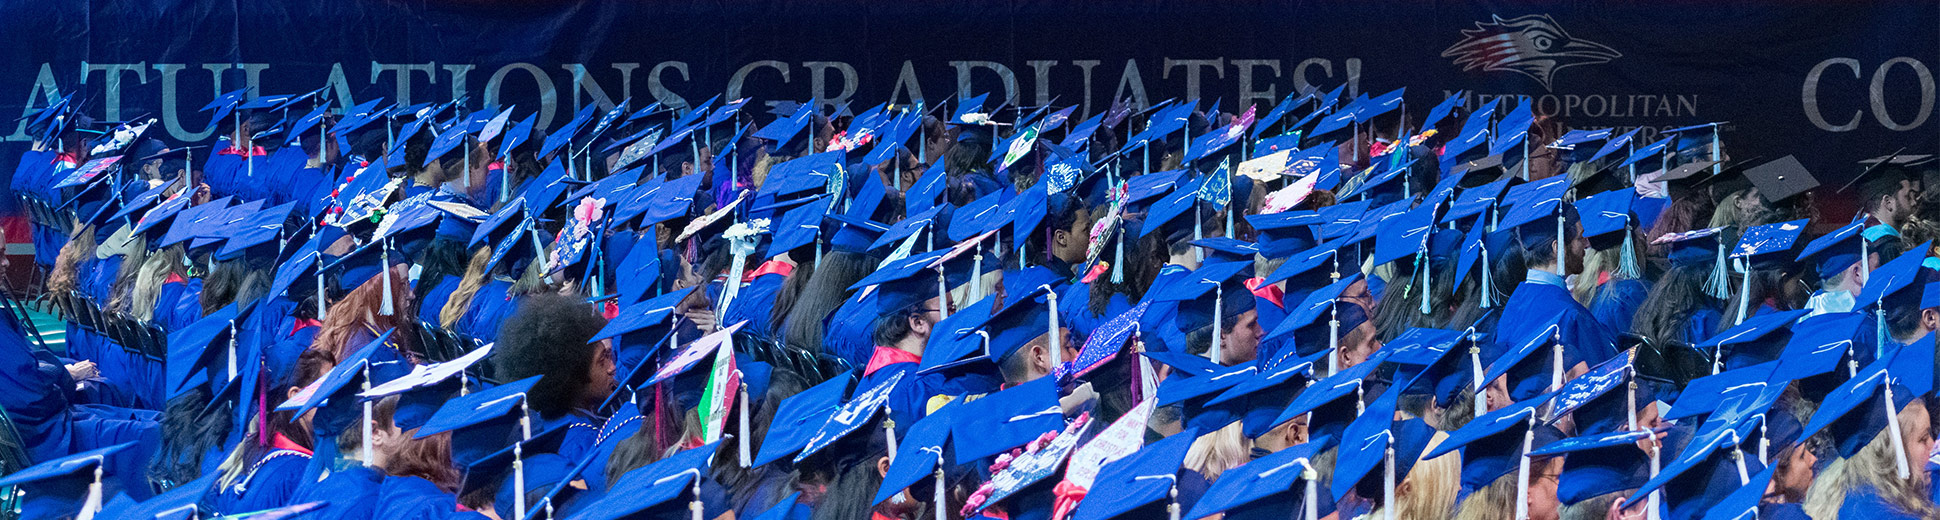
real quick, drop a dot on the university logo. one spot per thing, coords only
(1532, 45)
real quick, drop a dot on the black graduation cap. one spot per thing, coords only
(1781, 179)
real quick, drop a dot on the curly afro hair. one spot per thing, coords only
(547, 336)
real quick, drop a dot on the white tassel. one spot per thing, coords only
(384, 271)
(1556, 365)
(936, 494)
(694, 505)
(1522, 471)
(1893, 429)
(1656, 497)
(1387, 484)
(1488, 280)
(1333, 341)
(1057, 342)
(92, 504)
(1172, 507)
(1475, 368)
(1313, 490)
(1427, 289)
(232, 349)
(1148, 379)
(364, 450)
(518, 478)
(976, 274)
(747, 461)
(1219, 295)
(942, 293)
(1744, 293)
(889, 430)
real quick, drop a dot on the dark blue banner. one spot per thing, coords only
(1831, 82)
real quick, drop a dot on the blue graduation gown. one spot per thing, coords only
(1616, 302)
(31, 383)
(1074, 309)
(270, 482)
(352, 493)
(489, 307)
(582, 433)
(413, 498)
(1581, 332)
(1865, 502)
(907, 402)
(434, 300)
(1702, 325)
(279, 170)
(754, 303)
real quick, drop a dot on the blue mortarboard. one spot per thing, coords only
(1227, 249)
(1703, 395)
(1748, 501)
(1613, 145)
(191, 343)
(188, 221)
(1856, 411)
(1530, 362)
(966, 106)
(425, 389)
(1139, 479)
(798, 176)
(954, 341)
(648, 487)
(1311, 308)
(335, 395)
(800, 416)
(54, 487)
(567, 133)
(801, 226)
(1696, 247)
(1263, 478)
(1475, 201)
(1175, 204)
(782, 131)
(859, 413)
(1649, 151)
(1024, 318)
(1190, 365)
(495, 467)
(854, 235)
(1599, 464)
(481, 422)
(985, 214)
(1835, 251)
(1580, 144)
(224, 104)
(516, 136)
(1106, 342)
(1600, 400)
(1334, 400)
(1364, 445)
(1755, 341)
(1492, 443)
(910, 226)
(919, 454)
(1606, 213)
(1445, 108)
(1701, 475)
(1006, 419)
(1512, 130)
(1405, 235)
(1893, 276)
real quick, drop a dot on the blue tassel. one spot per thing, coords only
(1718, 284)
(1627, 266)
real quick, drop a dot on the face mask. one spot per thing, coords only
(1833, 301)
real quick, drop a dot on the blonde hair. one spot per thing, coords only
(149, 280)
(1214, 453)
(67, 263)
(1493, 502)
(1871, 467)
(1433, 486)
(476, 274)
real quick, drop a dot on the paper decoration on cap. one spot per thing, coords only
(1291, 196)
(1104, 343)
(571, 241)
(1124, 436)
(1020, 468)
(709, 219)
(851, 416)
(639, 149)
(1267, 167)
(425, 375)
(686, 359)
(723, 383)
(87, 172)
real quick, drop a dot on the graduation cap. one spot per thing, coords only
(1006, 419)
(1756, 340)
(1605, 399)
(1698, 248)
(570, 131)
(64, 484)
(920, 455)
(1536, 360)
(646, 488)
(1324, 301)
(1819, 344)
(1140, 479)
(1445, 108)
(1705, 470)
(785, 130)
(1371, 444)
(521, 467)
(859, 413)
(224, 105)
(1833, 252)
(1599, 463)
(1893, 276)
(800, 417)
(1582, 144)
(1334, 400)
(516, 136)
(483, 421)
(1781, 179)
(334, 396)
(1254, 485)
(1862, 408)
(1025, 317)
(1492, 444)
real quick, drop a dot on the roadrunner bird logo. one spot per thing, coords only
(1532, 45)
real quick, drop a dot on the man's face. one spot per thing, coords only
(1797, 476)
(1908, 198)
(1070, 244)
(1242, 344)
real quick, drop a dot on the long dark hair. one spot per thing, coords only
(746, 484)
(442, 257)
(825, 290)
(852, 489)
(1399, 308)
(1507, 270)
(1666, 312)
(188, 435)
(1143, 260)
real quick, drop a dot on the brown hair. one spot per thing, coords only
(67, 263)
(428, 458)
(343, 320)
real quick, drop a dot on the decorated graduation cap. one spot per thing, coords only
(1605, 399)
(1138, 481)
(1700, 248)
(864, 411)
(70, 483)
(799, 418)
(1260, 484)
(1006, 419)
(652, 487)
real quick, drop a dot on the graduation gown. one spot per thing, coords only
(352, 493)
(270, 482)
(1616, 301)
(1865, 502)
(413, 498)
(582, 433)
(489, 307)
(1537, 300)
(434, 300)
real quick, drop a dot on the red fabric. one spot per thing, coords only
(173, 278)
(304, 323)
(768, 268)
(67, 158)
(254, 151)
(885, 356)
(284, 443)
(611, 309)
(1271, 292)
(1068, 494)
(879, 516)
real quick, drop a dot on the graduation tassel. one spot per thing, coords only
(1717, 285)
(1057, 343)
(1427, 290)
(1522, 471)
(1475, 371)
(1333, 340)
(1172, 503)
(936, 494)
(1312, 477)
(1893, 428)
(694, 506)
(942, 293)
(976, 273)
(889, 433)
(1118, 259)
(1488, 280)
(92, 504)
(1879, 335)
(518, 477)
(384, 271)
(1656, 497)
(1744, 292)
(1387, 485)
(1627, 263)
(232, 350)
(1219, 297)
(1556, 364)
(364, 451)
(1198, 232)
(1738, 458)
(747, 461)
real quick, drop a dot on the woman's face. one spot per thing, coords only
(1919, 445)
(1543, 504)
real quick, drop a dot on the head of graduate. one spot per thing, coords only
(549, 336)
